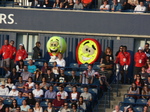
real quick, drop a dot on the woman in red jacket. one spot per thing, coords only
(21, 53)
(140, 60)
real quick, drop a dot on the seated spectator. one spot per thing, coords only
(45, 68)
(37, 76)
(87, 76)
(147, 82)
(145, 108)
(143, 73)
(4, 91)
(148, 66)
(139, 82)
(57, 4)
(63, 93)
(69, 5)
(128, 109)
(115, 6)
(31, 67)
(9, 83)
(117, 109)
(20, 83)
(2, 105)
(103, 71)
(20, 66)
(86, 3)
(105, 6)
(74, 95)
(47, 4)
(13, 106)
(145, 91)
(50, 76)
(20, 98)
(73, 78)
(24, 107)
(78, 5)
(60, 61)
(50, 107)
(31, 110)
(44, 85)
(50, 93)
(62, 78)
(37, 54)
(25, 74)
(26, 90)
(37, 92)
(140, 8)
(7, 109)
(65, 108)
(86, 95)
(74, 108)
(132, 4)
(35, 3)
(18, 109)
(81, 104)
(37, 107)
(13, 92)
(55, 69)
(134, 90)
(14, 75)
(58, 102)
(30, 83)
(31, 100)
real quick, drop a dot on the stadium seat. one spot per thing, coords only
(38, 63)
(80, 90)
(68, 89)
(7, 102)
(83, 66)
(138, 109)
(93, 90)
(26, 62)
(43, 104)
(122, 108)
(50, 64)
(74, 66)
(79, 73)
(129, 101)
(96, 67)
(141, 101)
(67, 72)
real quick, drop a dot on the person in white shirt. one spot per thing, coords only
(63, 93)
(60, 61)
(37, 92)
(4, 91)
(117, 109)
(13, 92)
(105, 6)
(140, 8)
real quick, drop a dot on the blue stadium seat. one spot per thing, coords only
(122, 108)
(74, 65)
(79, 73)
(80, 90)
(7, 102)
(26, 62)
(93, 90)
(68, 89)
(43, 104)
(50, 64)
(96, 67)
(67, 72)
(138, 109)
(83, 66)
(129, 101)
(141, 101)
(38, 63)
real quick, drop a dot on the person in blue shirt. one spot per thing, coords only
(20, 98)
(31, 67)
(115, 6)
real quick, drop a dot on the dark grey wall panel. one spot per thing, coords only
(70, 21)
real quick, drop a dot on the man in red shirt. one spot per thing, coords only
(124, 59)
(58, 102)
(140, 60)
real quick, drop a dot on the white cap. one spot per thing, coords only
(13, 87)
(21, 44)
(140, 48)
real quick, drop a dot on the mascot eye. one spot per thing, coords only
(51, 44)
(54, 44)
(91, 51)
(85, 49)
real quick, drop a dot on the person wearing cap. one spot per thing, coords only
(13, 92)
(31, 67)
(21, 53)
(60, 61)
(63, 93)
(37, 54)
(140, 60)
(25, 74)
(58, 102)
(117, 109)
(26, 90)
(4, 91)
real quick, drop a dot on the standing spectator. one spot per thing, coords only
(13, 106)
(38, 92)
(20, 66)
(140, 60)
(86, 95)
(31, 99)
(4, 91)
(86, 3)
(31, 67)
(45, 68)
(37, 107)
(20, 83)
(37, 75)
(50, 76)
(44, 85)
(134, 90)
(21, 53)
(147, 50)
(12, 58)
(50, 107)
(140, 8)
(63, 93)
(117, 109)
(24, 107)
(13, 92)
(37, 54)
(81, 104)
(78, 5)
(108, 52)
(25, 75)
(69, 5)
(50, 93)
(20, 98)
(105, 6)
(115, 6)
(124, 60)
(60, 61)
(65, 108)
(132, 4)
(58, 102)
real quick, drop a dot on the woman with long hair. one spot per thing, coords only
(44, 85)
(30, 83)
(50, 107)
(81, 104)
(13, 106)
(37, 107)
(24, 106)
(31, 100)
(145, 91)
(19, 66)
(134, 90)
(9, 83)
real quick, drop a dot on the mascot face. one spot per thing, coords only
(55, 45)
(88, 51)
